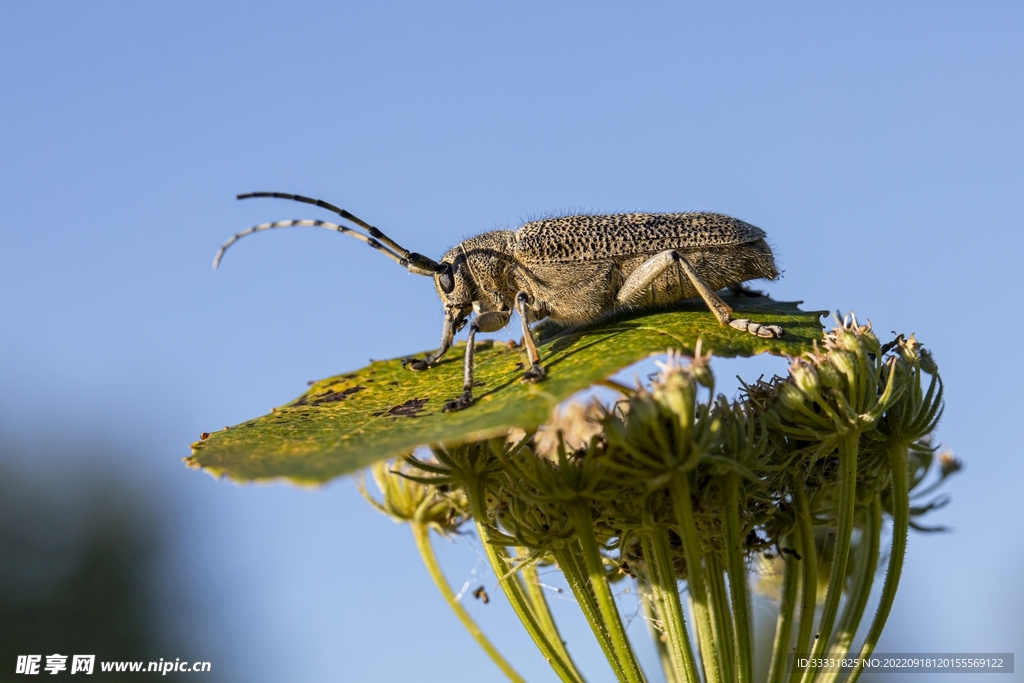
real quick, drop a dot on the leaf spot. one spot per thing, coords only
(330, 396)
(407, 409)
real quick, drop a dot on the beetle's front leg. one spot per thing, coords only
(490, 321)
(450, 328)
(536, 372)
(467, 373)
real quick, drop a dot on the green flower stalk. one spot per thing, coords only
(674, 485)
(426, 507)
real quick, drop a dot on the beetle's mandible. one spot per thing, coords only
(569, 269)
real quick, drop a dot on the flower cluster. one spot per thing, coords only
(674, 482)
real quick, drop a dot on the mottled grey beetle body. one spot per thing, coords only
(572, 269)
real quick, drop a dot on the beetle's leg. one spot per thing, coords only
(446, 343)
(722, 310)
(650, 270)
(654, 267)
(467, 373)
(536, 372)
(747, 325)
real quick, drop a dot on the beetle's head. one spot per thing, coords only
(454, 284)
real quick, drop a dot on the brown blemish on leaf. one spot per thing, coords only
(330, 396)
(407, 409)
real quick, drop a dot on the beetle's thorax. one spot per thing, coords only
(484, 272)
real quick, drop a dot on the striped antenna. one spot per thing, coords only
(414, 262)
(310, 224)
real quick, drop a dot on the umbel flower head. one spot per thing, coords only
(406, 497)
(674, 482)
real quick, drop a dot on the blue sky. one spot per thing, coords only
(879, 146)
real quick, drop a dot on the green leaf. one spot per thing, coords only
(346, 422)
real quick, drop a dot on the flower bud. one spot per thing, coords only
(790, 397)
(701, 372)
(927, 362)
(845, 363)
(844, 338)
(676, 393)
(830, 377)
(805, 377)
(405, 499)
(578, 423)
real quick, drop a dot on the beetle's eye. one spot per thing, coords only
(445, 278)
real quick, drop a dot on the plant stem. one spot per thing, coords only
(683, 506)
(421, 532)
(784, 626)
(603, 592)
(848, 446)
(866, 563)
(654, 610)
(512, 587)
(569, 562)
(809, 576)
(900, 524)
(738, 580)
(666, 590)
(542, 610)
(721, 616)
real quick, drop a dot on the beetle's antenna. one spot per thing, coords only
(312, 224)
(417, 261)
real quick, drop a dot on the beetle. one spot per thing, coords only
(569, 270)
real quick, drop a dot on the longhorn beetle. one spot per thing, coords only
(570, 269)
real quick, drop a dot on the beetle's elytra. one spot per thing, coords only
(569, 269)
